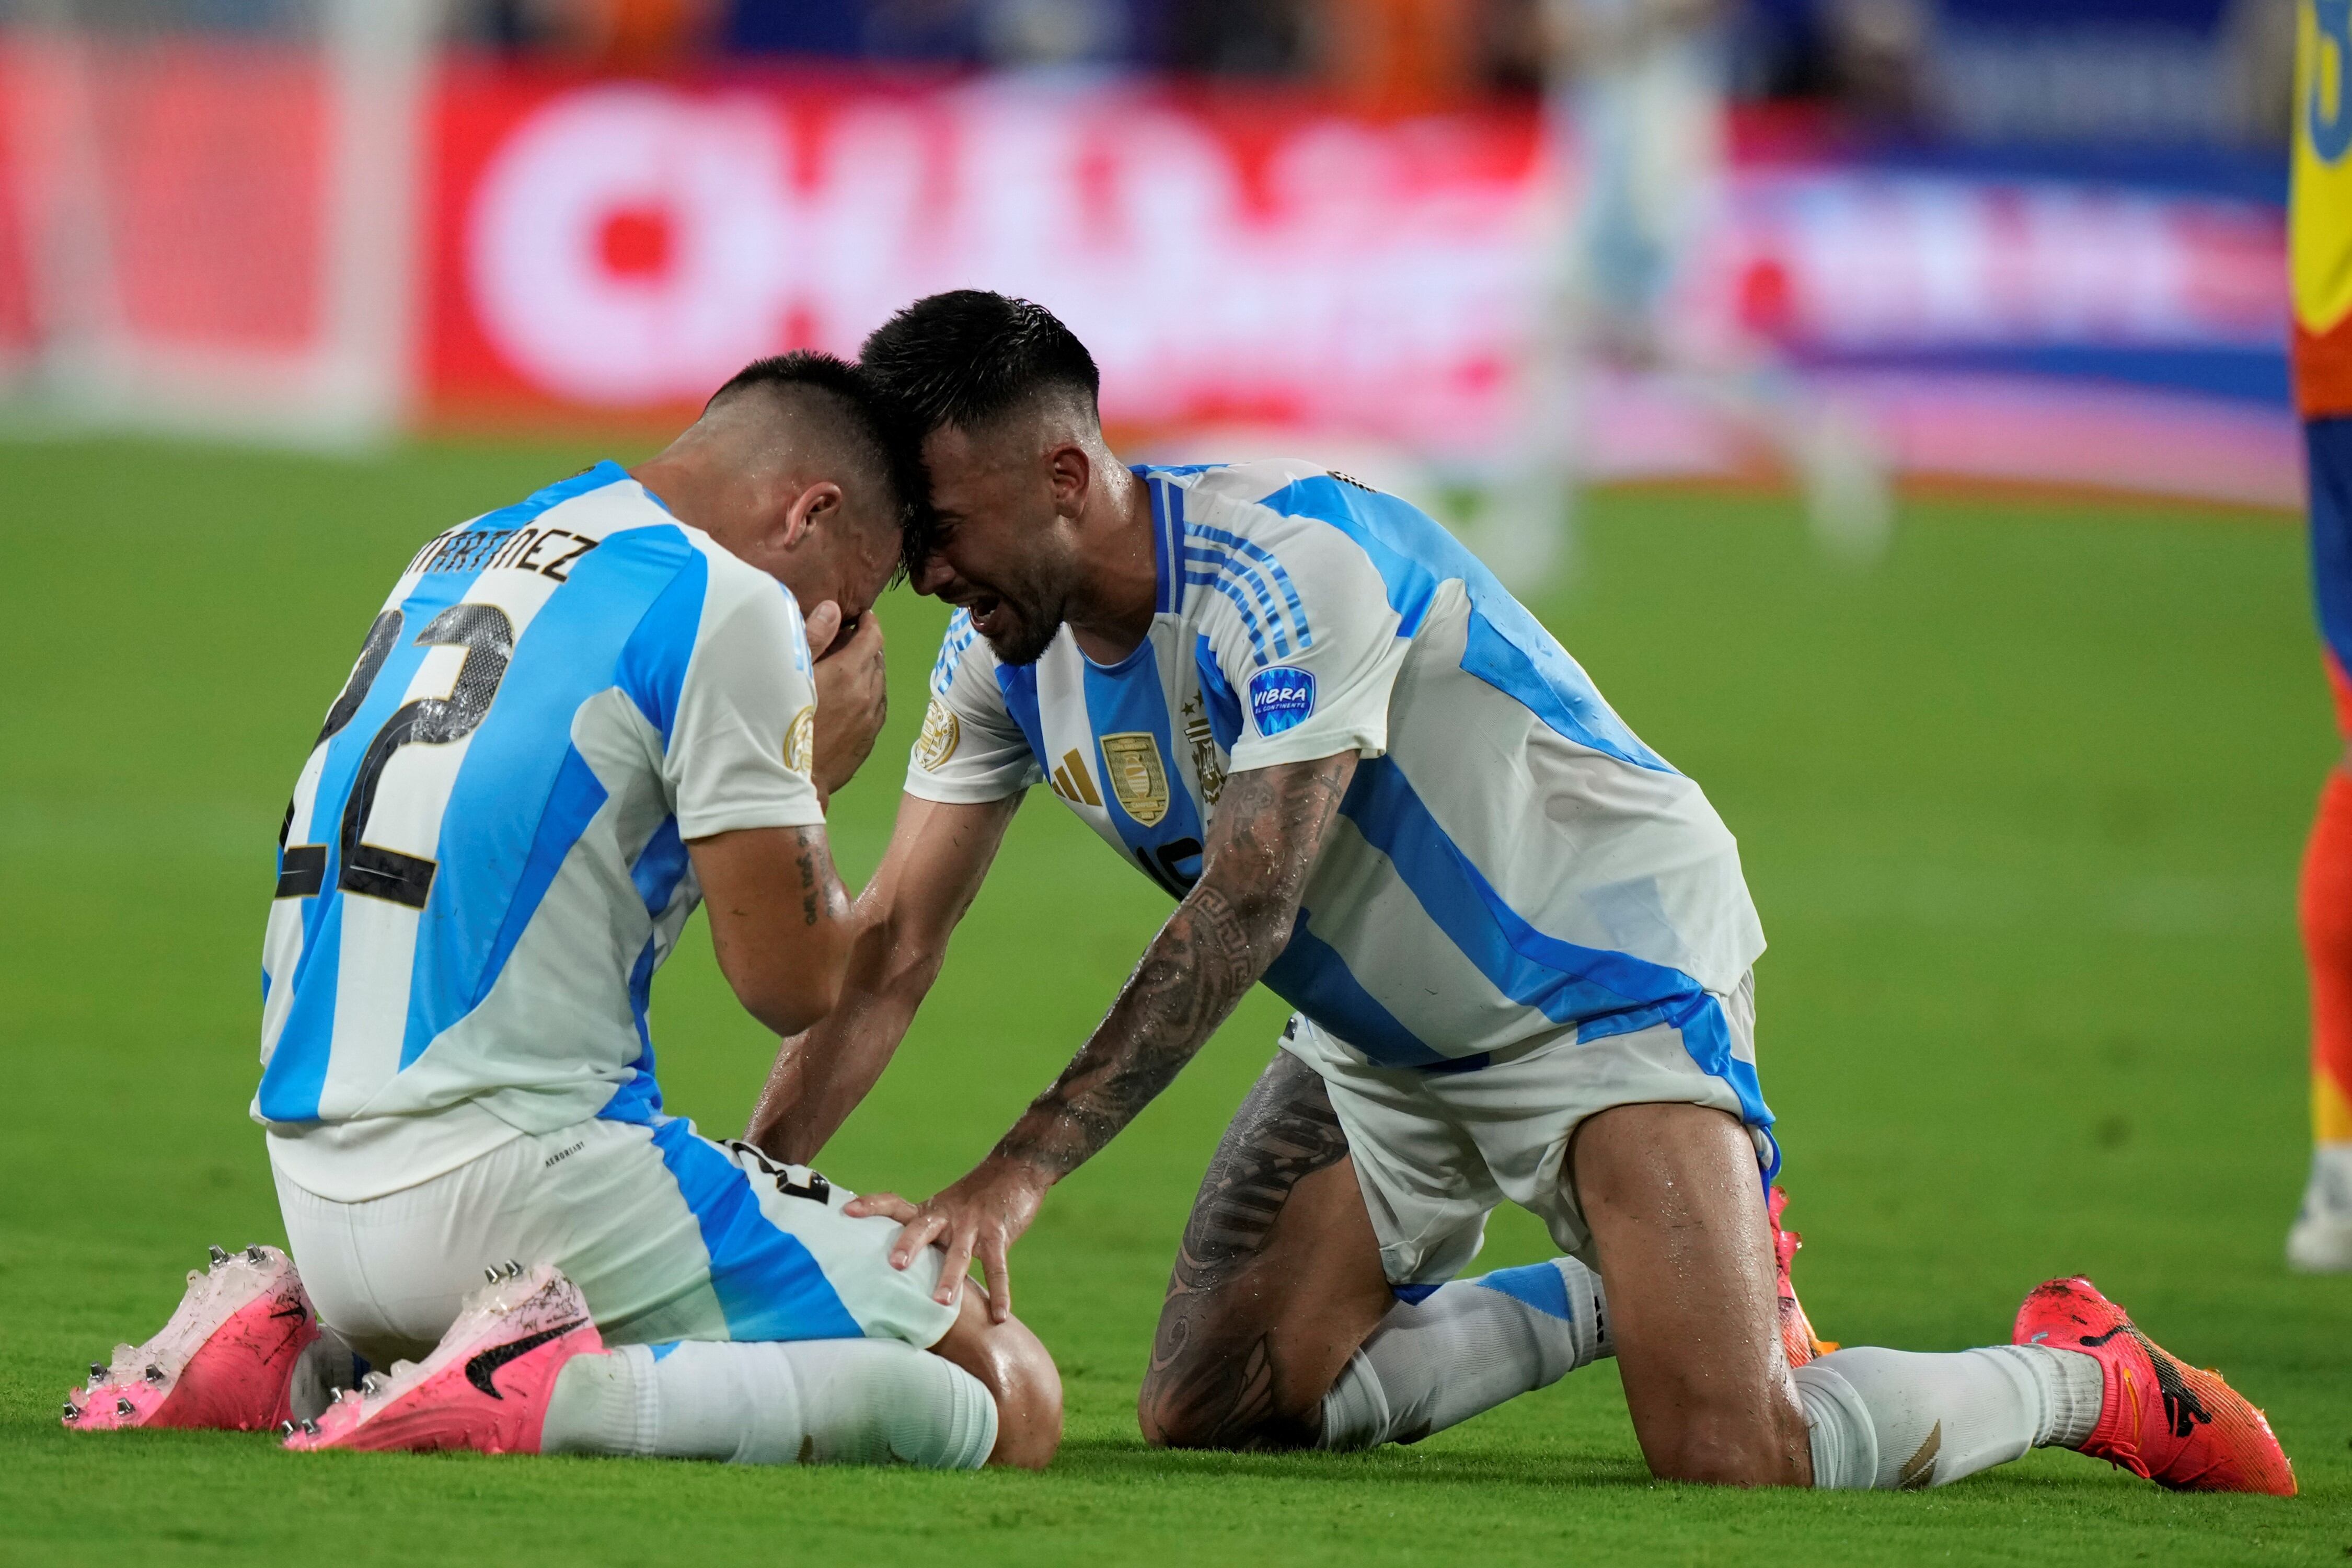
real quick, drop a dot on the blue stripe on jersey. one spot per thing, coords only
(638, 1097)
(1568, 984)
(1249, 617)
(1239, 553)
(296, 1073)
(1220, 570)
(620, 608)
(661, 866)
(577, 795)
(1224, 709)
(1312, 977)
(1018, 682)
(1128, 698)
(652, 668)
(1508, 648)
(952, 648)
(768, 1285)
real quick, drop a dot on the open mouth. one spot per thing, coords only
(989, 615)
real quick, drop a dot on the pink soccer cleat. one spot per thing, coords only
(226, 1358)
(2172, 1424)
(485, 1385)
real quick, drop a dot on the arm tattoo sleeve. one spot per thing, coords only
(1221, 937)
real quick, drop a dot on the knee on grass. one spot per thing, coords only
(1732, 1447)
(1019, 1374)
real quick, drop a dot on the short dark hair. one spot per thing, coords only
(876, 441)
(964, 357)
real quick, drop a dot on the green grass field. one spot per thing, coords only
(2021, 810)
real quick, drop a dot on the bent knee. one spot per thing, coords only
(1210, 1413)
(1019, 1374)
(1028, 1402)
(1731, 1449)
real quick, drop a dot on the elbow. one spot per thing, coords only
(804, 1005)
(790, 998)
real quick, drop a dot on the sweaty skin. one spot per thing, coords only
(1280, 1276)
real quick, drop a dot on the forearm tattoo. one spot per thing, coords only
(1223, 935)
(1214, 1390)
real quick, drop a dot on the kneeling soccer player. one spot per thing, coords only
(1518, 940)
(574, 719)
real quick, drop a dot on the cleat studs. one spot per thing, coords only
(73, 1411)
(490, 1276)
(98, 1372)
(154, 1373)
(514, 1269)
(310, 1427)
(370, 1387)
(287, 1428)
(124, 1408)
(253, 1255)
(220, 1255)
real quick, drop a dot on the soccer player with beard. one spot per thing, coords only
(1518, 940)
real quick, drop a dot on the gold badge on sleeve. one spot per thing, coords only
(938, 741)
(1136, 775)
(800, 740)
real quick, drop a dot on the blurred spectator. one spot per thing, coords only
(1399, 56)
(1239, 37)
(964, 32)
(608, 35)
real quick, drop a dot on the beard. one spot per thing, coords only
(1026, 627)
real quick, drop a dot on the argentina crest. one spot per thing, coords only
(1138, 777)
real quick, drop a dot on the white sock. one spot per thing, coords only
(1892, 1420)
(1466, 1347)
(811, 1402)
(328, 1366)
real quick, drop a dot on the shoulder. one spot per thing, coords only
(959, 643)
(1335, 534)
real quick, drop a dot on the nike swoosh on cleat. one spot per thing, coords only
(479, 1369)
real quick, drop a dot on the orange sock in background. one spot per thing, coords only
(2326, 908)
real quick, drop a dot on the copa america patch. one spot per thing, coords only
(1280, 697)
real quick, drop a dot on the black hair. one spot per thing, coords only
(964, 357)
(875, 439)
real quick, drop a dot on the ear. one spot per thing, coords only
(1069, 470)
(822, 499)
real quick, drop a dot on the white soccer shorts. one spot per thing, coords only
(668, 1234)
(1435, 1151)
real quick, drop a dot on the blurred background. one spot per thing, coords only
(1506, 246)
(287, 285)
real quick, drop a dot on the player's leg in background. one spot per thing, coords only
(1281, 1329)
(2321, 1239)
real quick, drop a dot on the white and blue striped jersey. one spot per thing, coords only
(484, 862)
(1511, 863)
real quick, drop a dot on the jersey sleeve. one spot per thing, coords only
(1299, 624)
(972, 749)
(743, 741)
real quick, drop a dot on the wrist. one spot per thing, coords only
(1004, 1163)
